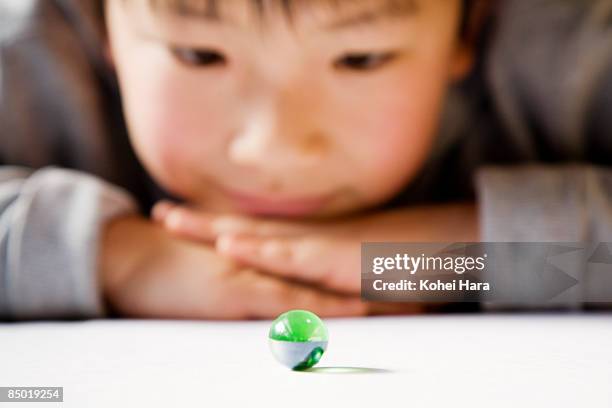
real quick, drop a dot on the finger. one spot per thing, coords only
(196, 224)
(335, 265)
(189, 223)
(267, 297)
(241, 225)
(394, 308)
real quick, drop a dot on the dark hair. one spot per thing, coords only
(287, 5)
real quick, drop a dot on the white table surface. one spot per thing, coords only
(426, 361)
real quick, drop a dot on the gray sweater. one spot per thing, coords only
(528, 136)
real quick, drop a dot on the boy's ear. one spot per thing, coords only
(462, 63)
(465, 55)
(108, 54)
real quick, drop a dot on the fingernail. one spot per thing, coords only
(161, 210)
(174, 219)
(225, 244)
(236, 245)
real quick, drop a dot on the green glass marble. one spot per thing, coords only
(298, 339)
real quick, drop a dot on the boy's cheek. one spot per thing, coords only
(390, 168)
(393, 144)
(176, 134)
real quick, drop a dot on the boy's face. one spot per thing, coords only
(325, 110)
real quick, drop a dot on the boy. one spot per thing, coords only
(330, 116)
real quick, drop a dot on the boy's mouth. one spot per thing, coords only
(270, 205)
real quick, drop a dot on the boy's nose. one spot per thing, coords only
(278, 138)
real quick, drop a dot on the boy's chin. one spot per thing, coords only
(307, 211)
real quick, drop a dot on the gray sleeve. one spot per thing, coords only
(532, 203)
(549, 71)
(50, 225)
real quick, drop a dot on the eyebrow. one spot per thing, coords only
(188, 9)
(390, 10)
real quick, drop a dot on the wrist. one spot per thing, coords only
(126, 243)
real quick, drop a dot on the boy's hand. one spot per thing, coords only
(327, 254)
(146, 272)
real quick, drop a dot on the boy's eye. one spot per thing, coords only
(198, 57)
(363, 61)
